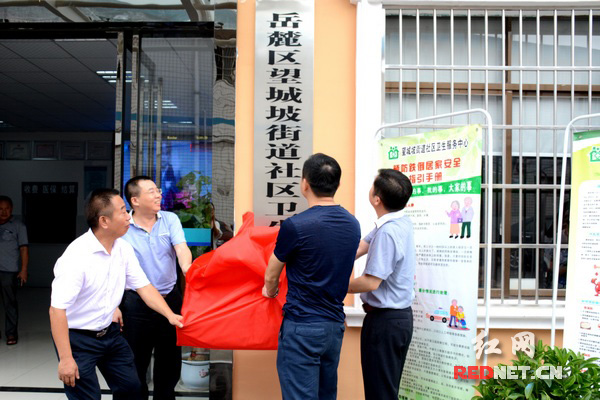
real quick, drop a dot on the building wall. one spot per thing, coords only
(254, 372)
(42, 256)
(505, 343)
(255, 375)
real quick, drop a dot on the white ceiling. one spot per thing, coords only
(48, 85)
(53, 85)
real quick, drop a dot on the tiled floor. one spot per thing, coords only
(32, 363)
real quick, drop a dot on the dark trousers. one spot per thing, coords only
(466, 226)
(8, 282)
(113, 357)
(453, 319)
(384, 341)
(147, 330)
(308, 355)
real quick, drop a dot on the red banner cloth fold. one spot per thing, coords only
(223, 306)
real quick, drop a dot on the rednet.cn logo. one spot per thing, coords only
(506, 372)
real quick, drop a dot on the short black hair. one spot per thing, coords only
(323, 174)
(99, 204)
(393, 188)
(7, 200)
(132, 189)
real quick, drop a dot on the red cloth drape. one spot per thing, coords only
(223, 306)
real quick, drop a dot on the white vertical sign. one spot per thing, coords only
(283, 106)
(582, 308)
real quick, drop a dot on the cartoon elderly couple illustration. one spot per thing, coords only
(458, 216)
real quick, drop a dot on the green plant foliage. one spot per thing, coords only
(580, 380)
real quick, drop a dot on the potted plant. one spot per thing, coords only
(195, 368)
(580, 377)
(193, 205)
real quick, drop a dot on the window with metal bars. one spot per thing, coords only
(534, 71)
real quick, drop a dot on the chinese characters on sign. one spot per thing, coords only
(49, 188)
(50, 211)
(282, 106)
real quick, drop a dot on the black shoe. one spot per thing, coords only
(468, 236)
(451, 236)
(462, 237)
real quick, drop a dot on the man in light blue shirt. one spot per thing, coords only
(159, 242)
(386, 287)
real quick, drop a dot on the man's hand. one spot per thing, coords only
(265, 293)
(68, 371)
(175, 320)
(22, 277)
(118, 317)
(155, 301)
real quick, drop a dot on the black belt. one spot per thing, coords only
(369, 308)
(95, 334)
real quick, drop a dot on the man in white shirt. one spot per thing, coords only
(90, 279)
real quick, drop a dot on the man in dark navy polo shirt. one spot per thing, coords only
(318, 246)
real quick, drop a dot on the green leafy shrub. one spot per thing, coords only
(580, 378)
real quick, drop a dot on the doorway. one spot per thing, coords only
(89, 107)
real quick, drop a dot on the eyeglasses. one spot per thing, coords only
(153, 191)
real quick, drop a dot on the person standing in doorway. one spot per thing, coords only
(318, 247)
(387, 287)
(159, 242)
(89, 281)
(13, 246)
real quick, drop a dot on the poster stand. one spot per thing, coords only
(569, 130)
(489, 167)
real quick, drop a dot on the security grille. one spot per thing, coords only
(533, 71)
